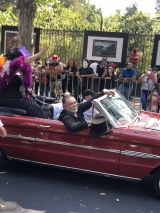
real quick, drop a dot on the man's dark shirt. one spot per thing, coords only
(74, 123)
(100, 70)
(86, 71)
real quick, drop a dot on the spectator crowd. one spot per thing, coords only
(55, 78)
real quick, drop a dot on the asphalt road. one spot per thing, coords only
(26, 188)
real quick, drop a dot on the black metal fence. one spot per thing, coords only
(68, 44)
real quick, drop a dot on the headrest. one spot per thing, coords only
(100, 126)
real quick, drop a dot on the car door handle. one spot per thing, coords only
(42, 126)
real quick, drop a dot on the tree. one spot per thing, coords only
(26, 11)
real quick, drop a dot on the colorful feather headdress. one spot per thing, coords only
(11, 63)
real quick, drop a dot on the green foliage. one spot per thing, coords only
(5, 4)
(8, 17)
(113, 23)
(80, 14)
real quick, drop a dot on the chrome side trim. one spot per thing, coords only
(139, 154)
(125, 152)
(20, 137)
(77, 169)
(77, 145)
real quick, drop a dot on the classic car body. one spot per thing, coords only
(130, 150)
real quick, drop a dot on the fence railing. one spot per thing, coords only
(54, 86)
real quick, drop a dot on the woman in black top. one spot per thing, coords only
(16, 81)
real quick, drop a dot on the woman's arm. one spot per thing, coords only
(32, 58)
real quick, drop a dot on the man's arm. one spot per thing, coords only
(89, 75)
(78, 76)
(87, 104)
(56, 71)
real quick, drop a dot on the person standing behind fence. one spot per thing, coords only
(127, 76)
(134, 58)
(36, 76)
(102, 72)
(70, 81)
(83, 75)
(44, 82)
(148, 80)
(154, 101)
(110, 77)
(54, 68)
(95, 80)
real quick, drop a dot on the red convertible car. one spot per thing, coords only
(130, 150)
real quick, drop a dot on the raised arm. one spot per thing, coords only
(32, 58)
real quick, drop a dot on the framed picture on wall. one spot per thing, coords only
(104, 47)
(156, 52)
(9, 38)
(111, 45)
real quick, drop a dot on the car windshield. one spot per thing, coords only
(119, 111)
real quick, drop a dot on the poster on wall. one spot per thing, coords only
(109, 44)
(156, 52)
(9, 38)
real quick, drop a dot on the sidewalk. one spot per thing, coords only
(136, 102)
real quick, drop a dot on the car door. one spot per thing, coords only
(20, 140)
(58, 146)
(140, 153)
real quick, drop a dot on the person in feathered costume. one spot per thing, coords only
(16, 80)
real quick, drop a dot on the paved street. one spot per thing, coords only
(26, 188)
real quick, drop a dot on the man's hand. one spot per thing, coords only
(125, 80)
(3, 132)
(80, 80)
(89, 122)
(109, 92)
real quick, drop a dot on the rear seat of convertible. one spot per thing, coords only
(12, 111)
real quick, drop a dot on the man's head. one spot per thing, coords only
(129, 66)
(54, 59)
(70, 104)
(104, 59)
(155, 70)
(88, 94)
(86, 63)
(135, 50)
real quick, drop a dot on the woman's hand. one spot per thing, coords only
(32, 58)
(43, 49)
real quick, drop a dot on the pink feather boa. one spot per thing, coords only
(17, 65)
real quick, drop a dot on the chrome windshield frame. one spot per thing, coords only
(133, 114)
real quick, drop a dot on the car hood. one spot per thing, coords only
(147, 121)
